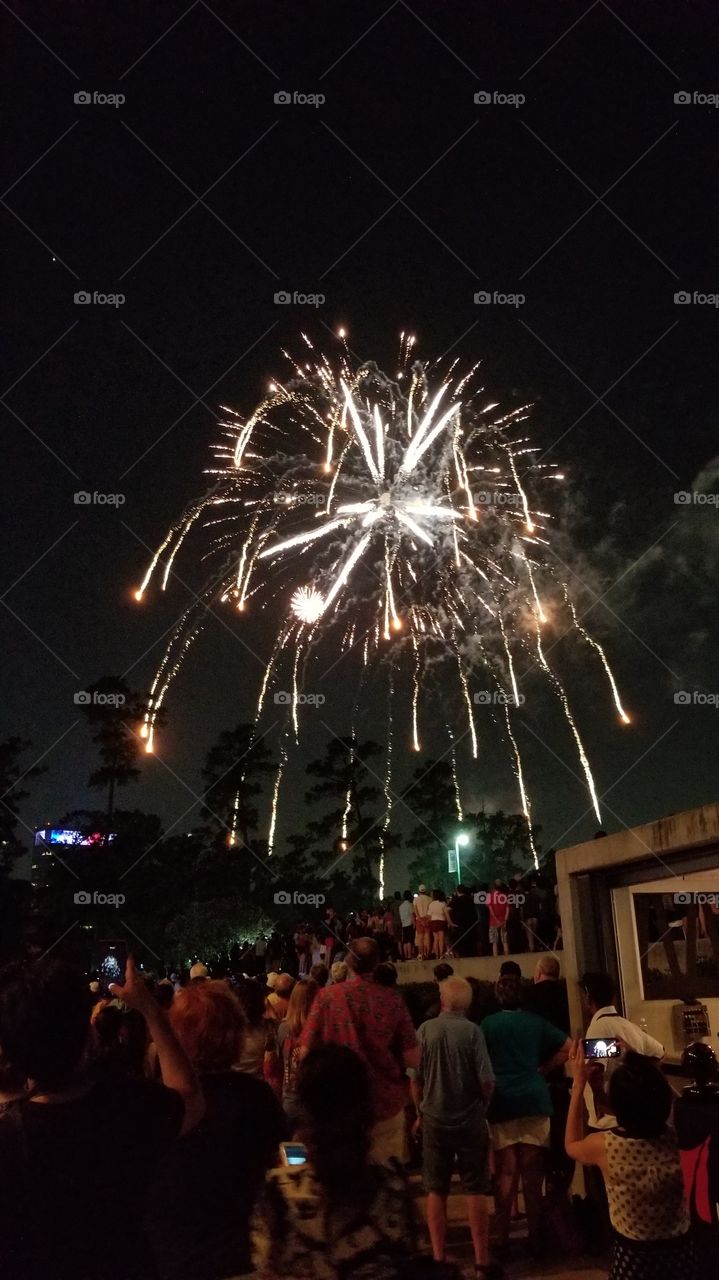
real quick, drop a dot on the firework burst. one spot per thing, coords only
(397, 515)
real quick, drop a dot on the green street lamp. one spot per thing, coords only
(461, 840)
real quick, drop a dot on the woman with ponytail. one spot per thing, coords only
(339, 1214)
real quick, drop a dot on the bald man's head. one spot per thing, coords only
(363, 955)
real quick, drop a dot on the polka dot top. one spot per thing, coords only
(645, 1188)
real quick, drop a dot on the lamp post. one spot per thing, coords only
(461, 839)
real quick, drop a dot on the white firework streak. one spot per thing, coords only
(351, 514)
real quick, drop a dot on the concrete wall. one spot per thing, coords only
(483, 967)
(663, 839)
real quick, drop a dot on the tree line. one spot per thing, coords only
(212, 890)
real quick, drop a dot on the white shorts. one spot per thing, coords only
(531, 1130)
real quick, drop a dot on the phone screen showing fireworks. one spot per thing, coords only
(293, 1153)
(601, 1049)
(112, 965)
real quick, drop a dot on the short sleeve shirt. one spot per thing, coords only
(406, 914)
(518, 1044)
(453, 1068)
(374, 1021)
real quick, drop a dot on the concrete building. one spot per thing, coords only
(643, 904)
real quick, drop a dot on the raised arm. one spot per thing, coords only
(175, 1067)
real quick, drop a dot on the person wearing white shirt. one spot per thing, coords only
(608, 1024)
(423, 934)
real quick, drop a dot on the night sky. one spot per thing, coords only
(398, 197)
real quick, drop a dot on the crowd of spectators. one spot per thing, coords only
(263, 1126)
(504, 918)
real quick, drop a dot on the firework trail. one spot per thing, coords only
(395, 517)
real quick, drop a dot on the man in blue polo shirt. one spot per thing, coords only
(451, 1091)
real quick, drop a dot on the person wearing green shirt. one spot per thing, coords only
(523, 1048)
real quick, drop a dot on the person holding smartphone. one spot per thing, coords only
(639, 1162)
(606, 1023)
(77, 1154)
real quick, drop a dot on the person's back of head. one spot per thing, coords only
(44, 1022)
(438, 895)
(442, 971)
(386, 974)
(301, 1001)
(164, 993)
(363, 956)
(509, 992)
(198, 970)
(339, 971)
(252, 998)
(408, 895)
(210, 1024)
(284, 986)
(547, 968)
(599, 989)
(510, 969)
(455, 995)
(119, 1041)
(320, 973)
(640, 1096)
(334, 1093)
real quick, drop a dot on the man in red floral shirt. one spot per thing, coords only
(374, 1022)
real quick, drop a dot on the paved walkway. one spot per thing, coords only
(521, 1266)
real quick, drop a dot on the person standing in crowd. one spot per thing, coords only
(451, 1090)
(440, 921)
(498, 904)
(261, 954)
(201, 1197)
(464, 921)
(288, 1043)
(331, 931)
(373, 1021)
(481, 895)
(516, 937)
(340, 1214)
(406, 917)
(320, 974)
(395, 904)
(422, 923)
(302, 949)
(548, 996)
(598, 990)
(386, 974)
(254, 1040)
(522, 1049)
(530, 914)
(76, 1157)
(278, 1000)
(639, 1161)
(545, 894)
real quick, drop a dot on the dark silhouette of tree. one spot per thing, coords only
(235, 772)
(12, 794)
(114, 714)
(343, 776)
(431, 797)
(15, 895)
